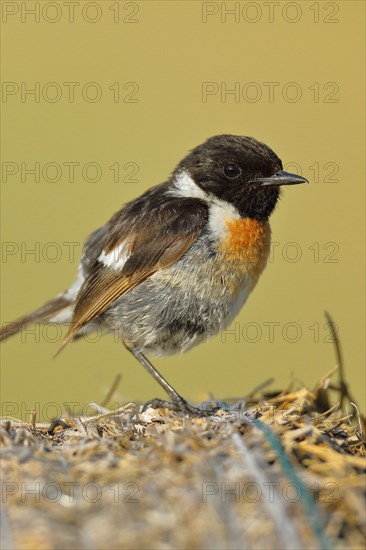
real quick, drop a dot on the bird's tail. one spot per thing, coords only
(57, 310)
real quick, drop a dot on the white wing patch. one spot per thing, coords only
(117, 257)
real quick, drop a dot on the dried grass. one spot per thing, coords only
(269, 471)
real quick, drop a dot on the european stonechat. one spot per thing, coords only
(175, 265)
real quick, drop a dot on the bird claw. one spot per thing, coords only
(180, 405)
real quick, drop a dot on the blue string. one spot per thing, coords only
(309, 505)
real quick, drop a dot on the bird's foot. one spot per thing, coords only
(181, 405)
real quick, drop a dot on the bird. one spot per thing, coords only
(175, 265)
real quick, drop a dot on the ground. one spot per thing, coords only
(271, 471)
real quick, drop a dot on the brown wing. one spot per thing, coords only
(161, 237)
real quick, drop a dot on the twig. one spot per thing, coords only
(259, 388)
(343, 386)
(114, 412)
(111, 390)
(358, 418)
(32, 420)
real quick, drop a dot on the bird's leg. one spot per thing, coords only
(178, 403)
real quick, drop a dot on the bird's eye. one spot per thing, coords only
(231, 170)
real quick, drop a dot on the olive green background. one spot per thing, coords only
(169, 52)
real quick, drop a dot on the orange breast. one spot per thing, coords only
(247, 246)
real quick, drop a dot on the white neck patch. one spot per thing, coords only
(220, 211)
(184, 186)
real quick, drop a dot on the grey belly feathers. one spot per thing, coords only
(194, 305)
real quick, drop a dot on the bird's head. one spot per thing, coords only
(240, 170)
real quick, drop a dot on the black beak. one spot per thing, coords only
(281, 178)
